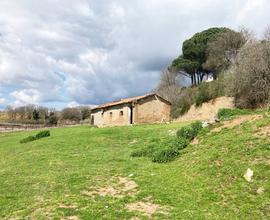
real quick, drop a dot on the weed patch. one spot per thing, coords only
(39, 135)
(190, 132)
(226, 113)
(164, 151)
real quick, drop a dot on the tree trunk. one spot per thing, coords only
(201, 77)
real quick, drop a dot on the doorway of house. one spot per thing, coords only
(131, 115)
(92, 120)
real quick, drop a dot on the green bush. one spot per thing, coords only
(196, 126)
(190, 132)
(42, 134)
(52, 120)
(28, 139)
(203, 94)
(145, 152)
(169, 149)
(226, 113)
(165, 155)
(181, 108)
(179, 142)
(166, 150)
(39, 135)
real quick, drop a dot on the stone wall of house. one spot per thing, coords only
(112, 116)
(148, 110)
(151, 110)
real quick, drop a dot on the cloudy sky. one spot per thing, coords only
(66, 52)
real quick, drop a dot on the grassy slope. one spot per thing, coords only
(205, 182)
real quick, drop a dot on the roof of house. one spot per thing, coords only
(128, 100)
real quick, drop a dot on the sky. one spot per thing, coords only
(60, 53)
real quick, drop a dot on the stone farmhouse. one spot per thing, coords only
(150, 108)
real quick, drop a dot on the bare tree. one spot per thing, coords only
(85, 112)
(266, 35)
(43, 112)
(248, 34)
(72, 114)
(169, 86)
(11, 115)
(249, 77)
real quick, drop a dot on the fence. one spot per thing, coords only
(9, 127)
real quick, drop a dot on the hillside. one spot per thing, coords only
(208, 110)
(88, 173)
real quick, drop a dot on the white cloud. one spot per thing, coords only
(92, 51)
(73, 104)
(26, 96)
(3, 101)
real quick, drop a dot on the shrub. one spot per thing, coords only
(180, 108)
(191, 131)
(184, 102)
(203, 94)
(168, 150)
(52, 120)
(28, 139)
(41, 134)
(148, 151)
(179, 142)
(196, 126)
(165, 155)
(249, 77)
(226, 113)
(163, 151)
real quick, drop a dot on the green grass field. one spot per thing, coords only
(52, 178)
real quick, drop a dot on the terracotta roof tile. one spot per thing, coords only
(126, 100)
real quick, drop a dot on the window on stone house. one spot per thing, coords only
(110, 114)
(121, 113)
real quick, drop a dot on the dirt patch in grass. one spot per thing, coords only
(71, 218)
(133, 142)
(195, 141)
(45, 212)
(127, 185)
(63, 206)
(105, 191)
(146, 208)
(261, 160)
(237, 121)
(263, 132)
(123, 187)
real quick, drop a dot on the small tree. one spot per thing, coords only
(169, 86)
(11, 114)
(222, 52)
(35, 115)
(52, 119)
(73, 114)
(267, 34)
(85, 111)
(249, 78)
